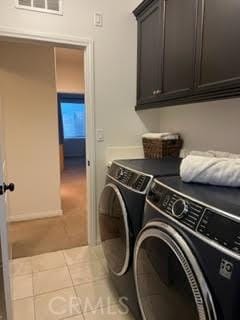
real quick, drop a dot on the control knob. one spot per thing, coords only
(179, 208)
(153, 195)
(120, 173)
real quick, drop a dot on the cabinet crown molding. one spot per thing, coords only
(142, 6)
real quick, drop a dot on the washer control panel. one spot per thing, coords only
(211, 224)
(130, 178)
(182, 209)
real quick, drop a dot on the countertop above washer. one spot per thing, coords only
(166, 166)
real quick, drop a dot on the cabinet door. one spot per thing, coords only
(150, 55)
(218, 45)
(180, 46)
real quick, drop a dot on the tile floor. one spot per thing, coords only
(35, 237)
(71, 284)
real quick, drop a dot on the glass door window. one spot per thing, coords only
(166, 282)
(114, 229)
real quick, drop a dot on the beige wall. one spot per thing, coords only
(69, 70)
(27, 87)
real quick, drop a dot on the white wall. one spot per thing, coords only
(115, 64)
(209, 125)
(27, 87)
(69, 70)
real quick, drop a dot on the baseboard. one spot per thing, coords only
(34, 216)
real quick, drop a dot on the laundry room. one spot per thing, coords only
(119, 160)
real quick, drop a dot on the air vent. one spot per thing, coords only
(26, 3)
(47, 6)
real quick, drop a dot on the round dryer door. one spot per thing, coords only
(114, 229)
(169, 282)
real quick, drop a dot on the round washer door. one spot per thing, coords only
(114, 229)
(169, 281)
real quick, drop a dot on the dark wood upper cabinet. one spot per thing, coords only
(150, 42)
(188, 51)
(179, 47)
(218, 44)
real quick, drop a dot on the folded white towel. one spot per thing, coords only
(161, 136)
(214, 171)
(211, 153)
(221, 154)
(201, 153)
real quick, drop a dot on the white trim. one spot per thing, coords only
(91, 143)
(55, 39)
(34, 215)
(88, 45)
(4, 238)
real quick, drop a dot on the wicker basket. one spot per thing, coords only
(158, 149)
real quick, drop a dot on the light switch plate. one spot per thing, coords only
(100, 135)
(98, 19)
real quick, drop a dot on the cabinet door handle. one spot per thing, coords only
(158, 91)
(154, 92)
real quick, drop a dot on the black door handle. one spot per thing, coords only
(6, 187)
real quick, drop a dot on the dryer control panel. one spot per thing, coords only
(210, 223)
(135, 180)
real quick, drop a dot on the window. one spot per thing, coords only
(73, 115)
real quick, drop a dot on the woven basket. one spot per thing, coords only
(158, 149)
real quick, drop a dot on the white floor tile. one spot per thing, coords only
(78, 255)
(51, 280)
(23, 309)
(87, 272)
(98, 250)
(112, 312)
(21, 266)
(96, 295)
(79, 317)
(22, 287)
(57, 305)
(104, 263)
(48, 261)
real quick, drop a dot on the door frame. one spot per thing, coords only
(68, 41)
(4, 250)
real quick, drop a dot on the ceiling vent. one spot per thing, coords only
(47, 6)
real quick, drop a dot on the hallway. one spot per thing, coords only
(29, 238)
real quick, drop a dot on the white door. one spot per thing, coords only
(5, 293)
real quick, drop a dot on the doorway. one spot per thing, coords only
(87, 45)
(46, 223)
(28, 231)
(72, 140)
